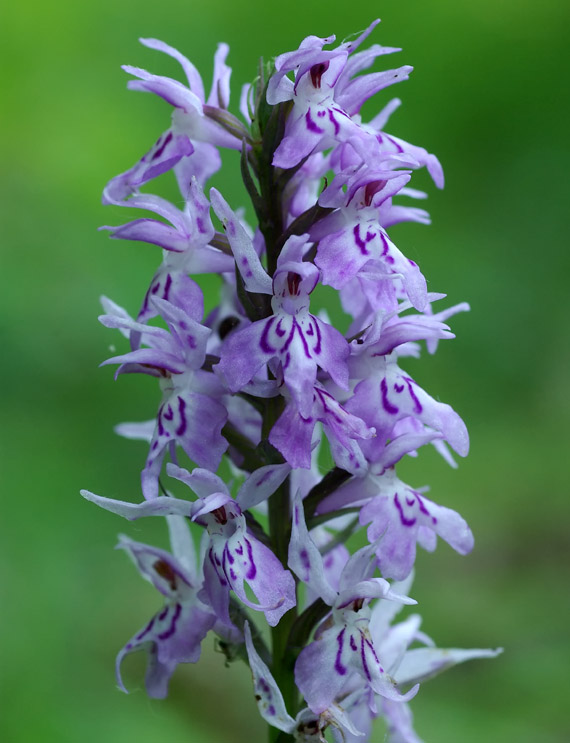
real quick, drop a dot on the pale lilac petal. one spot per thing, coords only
(137, 431)
(159, 506)
(192, 74)
(172, 636)
(305, 559)
(399, 721)
(364, 87)
(318, 675)
(267, 694)
(420, 664)
(261, 484)
(254, 275)
(272, 585)
(200, 481)
(292, 436)
(220, 92)
(150, 231)
(168, 150)
(182, 545)
(245, 352)
(171, 91)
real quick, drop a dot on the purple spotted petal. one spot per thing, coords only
(305, 559)
(267, 694)
(194, 422)
(254, 275)
(393, 395)
(173, 635)
(168, 150)
(396, 514)
(261, 484)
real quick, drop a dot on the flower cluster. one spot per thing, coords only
(268, 382)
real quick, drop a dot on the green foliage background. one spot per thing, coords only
(489, 96)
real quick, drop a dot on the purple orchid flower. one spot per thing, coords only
(292, 335)
(389, 395)
(352, 236)
(192, 140)
(318, 118)
(343, 646)
(174, 634)
(293, 432)
(233, 556)
(189, 415)
(307, 726)
(185, 244)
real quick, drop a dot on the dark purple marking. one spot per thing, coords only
(154, 445)
(169, 415)
(410, 501)
(263, 344)
(287, 361)
(386, 404)
(263, 478)
(317, 71)
(181, 430)
(358, 240)
(321, 113)
(398, 387)
(167, 285)
(160, 427)
(252, 572)
(363, 658)
(289, 340)
(191, 341)
(405, 521)
(162, 146)
(155, 288)
(239, 549)
(220, 515)
(386, 247)
(317, 348)
(228, 555)
(334, 122)
(305, 559)
(166, 571)
(279, 329)
(353, 642)
(338, 667)
(417, 403)
(233, 575)
(393, 142)
(200, 225)
(146, 630)
(311, 125)
(306, 348)
(372, 189)
(264, 686)
(172, 629)
(163, 613)
(293, 283)
(423, 509)
(271, 710)
(296, 515)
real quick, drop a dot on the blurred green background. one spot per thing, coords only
(489, 97)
